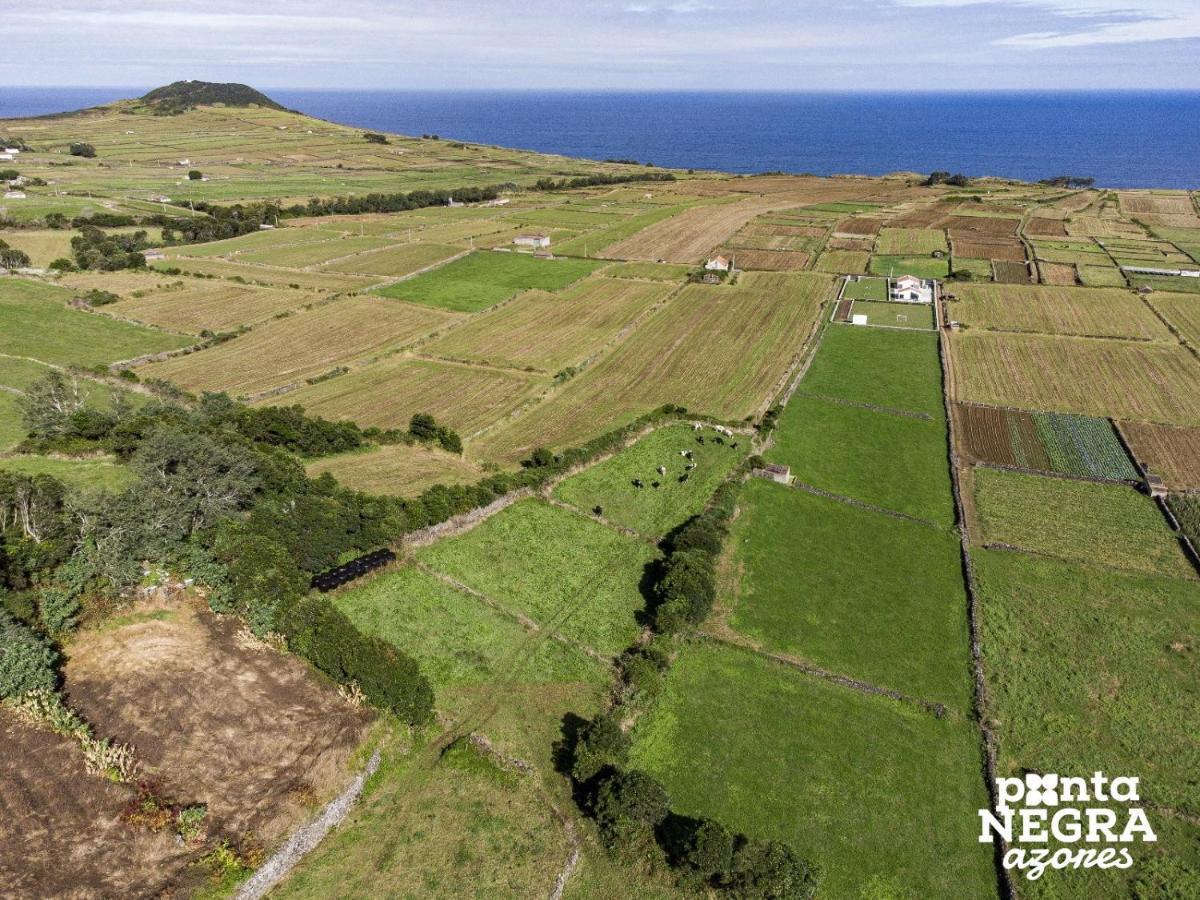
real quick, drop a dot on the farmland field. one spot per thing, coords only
(893, 461)
(920, 266)
(1171, 452)
(751, 743)
(393, 262)
(771, 260)
(220, 268)
(300, 346)
(647, 271)
(1009, 272)
(1094, 312)
(552, 331)
(895, 369)
(35, 322)
(1152, 382)
(387, 393)
(687, 236)
(910, 242)
(197, 305)
(853, 591)
(895, 315)
(1050, 442)
(718, 350)
(482, 279)
(1182, 311)
(1120, 699)
(1077, 521)
(298, 256)
(593, 599)
(649, 510)
(839, 262)
(399, 469)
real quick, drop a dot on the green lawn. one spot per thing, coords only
(853, 591)
(1093, 670)
(866, 289)
(920, 266)
(1107, 524)
(457, 639)
(484, 279)
(896, 369)
(896, 462)
(86, 474)
(881, 796)
(559, 568)
(35, 322)
(655, 511)
(898, 315)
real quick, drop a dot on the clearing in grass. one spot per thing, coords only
(681, 492)
(35, 321)
(1099, 524)
(592, 598)
(93, 473)
(881, 796)
(484, 279)
(1093, 670)
(853, 591)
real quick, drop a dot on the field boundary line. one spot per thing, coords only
(858, 404)
(1062, 476)
(307, 837)
(862, 504)
(374, 286)
(982, 702)
(732, 638)
(584, 514)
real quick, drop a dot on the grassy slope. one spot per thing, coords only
(104, 474)
(881, 796)
(853, 591)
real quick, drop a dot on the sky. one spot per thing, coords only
(792, 45)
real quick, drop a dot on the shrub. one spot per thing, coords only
(79, 148)
(708, 854)
(26, 661)
(770, 869)
(601, 745)
(629, 806)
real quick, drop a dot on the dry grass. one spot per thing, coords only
(1150, 382)
(690, 235)
(221, 268)
(1059, 274)
(843, 262)
(393, 262)
(771, 260)
(1042, 227)
(195, 306)
(398, 469)
(719, 350)
(1094, 312)
(970, 246)
(306, 344)
(1182, 311)
(1171, 452)
(387, 394)
(551, 331)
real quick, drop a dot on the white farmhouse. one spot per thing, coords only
(910, 289)
(536, 241)
(717, 264)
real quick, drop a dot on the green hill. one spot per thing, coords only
(180, 96)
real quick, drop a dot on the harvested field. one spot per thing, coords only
(771, 260)
(1041, 227)
(1011, 272)
(299, 256)
(1058, 274)
(484, 279)
(1175, 210)
(1172, 453)
(552, 331)
(924, 216)
(843, 262)
(1049, 442)
(394, 262)
(300, 346)
(858, 225)
(1152, 382)
(1100, 276)
(397, 469)
(646, 271)
(720, 350)
(198, 305)
(1081, 521)
(220, 268)
(859, 244)
(969, 247)
(1089, 312)
(911, 242)
(387, 393)
(981, 227)
(1182, 311)
(689, 236)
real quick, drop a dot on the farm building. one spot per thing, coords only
(14, 195)
(718, 264)
(6, 155)
(775, 472)
(532, 240)
(12, 150)
(152, 255)
(910, 289)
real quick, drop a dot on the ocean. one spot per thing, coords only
(1122, 139)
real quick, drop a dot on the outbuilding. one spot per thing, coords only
(536, 241)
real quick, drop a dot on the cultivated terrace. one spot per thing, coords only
(615, 531)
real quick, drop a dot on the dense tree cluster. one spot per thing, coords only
(11, 258)
(93, 248)
(940, 177)
(374, 137)
(1068, 181)
(79, 148)
(599, 180)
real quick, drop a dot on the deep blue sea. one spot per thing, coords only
(1122, 139)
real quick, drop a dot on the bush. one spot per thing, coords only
(708, 854)
(602, 744)
(323, 635)
(26, 661)
(630, 806)
(770, 869)
(79, 148)
(195, 175)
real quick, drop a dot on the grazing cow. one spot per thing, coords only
(684, 477)
(734, 445)
(699, 439)
(719, 440)
(662, 470)
(637, 483)
(654, 484)
(598, 510)
(690, 466)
